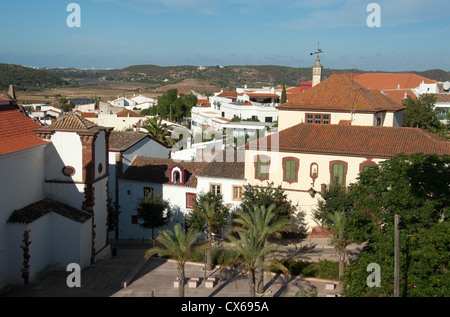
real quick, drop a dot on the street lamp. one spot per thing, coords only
(312, 191)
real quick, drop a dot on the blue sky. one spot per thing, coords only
(116, 33)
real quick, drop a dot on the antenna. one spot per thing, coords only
(319, 50)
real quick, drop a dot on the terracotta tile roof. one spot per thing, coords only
(203, 103)
(123, 140)
(16, 130)
(224, 167)
(228, 94)
(128, 113)
(262, 94)
(398, 95)
(380, 81)
(365, 141)
(340, 93)
(442, 97)
(34, 211)
(183, 91)
(88, 114)
(71, 121)
(157, 170)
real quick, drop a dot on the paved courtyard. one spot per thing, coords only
(156, 277)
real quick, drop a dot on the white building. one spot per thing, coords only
(124, 147)
(336, 129)
(123, 120)
(139, 102)
(178, 182)
(53, 191)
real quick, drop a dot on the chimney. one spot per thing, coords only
(12, 92)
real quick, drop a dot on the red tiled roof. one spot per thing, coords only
(365, 141)
(228, 94)
(442, 97)
(128, 113)
(16, 130)
(380, 81)
(398, 95)
(71, 121)
(223, 166)
(265, 94)
(203, 103)
(88, 114)
(157, 170)
(339, 93)
(183, 91)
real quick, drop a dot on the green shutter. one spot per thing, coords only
(261, 168)
(338, 172)
(365, 168)
(290, 170)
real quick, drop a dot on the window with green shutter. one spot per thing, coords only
(338, 173)
(365, 168)
(262, 168)
(290, 170)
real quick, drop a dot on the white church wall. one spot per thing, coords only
(22, 173)
(65, 150)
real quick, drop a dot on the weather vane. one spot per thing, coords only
(319, 50)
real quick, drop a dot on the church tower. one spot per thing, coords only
(76, 171)
(317, 72)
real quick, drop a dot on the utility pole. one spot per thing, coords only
(397, 258)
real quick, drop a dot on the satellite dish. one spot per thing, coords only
(447, 85)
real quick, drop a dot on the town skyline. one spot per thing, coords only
(118, 34)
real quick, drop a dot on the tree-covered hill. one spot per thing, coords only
(235, 76)
(26, 78)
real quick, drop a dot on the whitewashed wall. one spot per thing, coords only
(22, 175)
(118, 123)
(47, 248)
(65, 150)
(203, 186)
(297, 192)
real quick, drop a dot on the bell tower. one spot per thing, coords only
(317, 72)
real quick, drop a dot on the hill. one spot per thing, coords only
(28, 79)
(234, 76)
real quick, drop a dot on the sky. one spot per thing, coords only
(411, 35)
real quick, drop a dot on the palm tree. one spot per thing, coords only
(160, 131)
(209, 215)
(251, 252)
(254, 228)
(340, 241)
(177, 245)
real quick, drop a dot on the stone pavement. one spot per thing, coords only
(155, 277)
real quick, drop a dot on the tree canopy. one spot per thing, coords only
(417, 188)
(174, 107)
(421, 113)
(151, 210)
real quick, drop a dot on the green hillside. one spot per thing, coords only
(29, 79)
(235, 76)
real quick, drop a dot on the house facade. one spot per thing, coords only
(340, 100)
(179, 183)
(306, 157)
(53, 193)
(332, 132)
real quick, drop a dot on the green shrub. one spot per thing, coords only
(324, 269)
(328, 269)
